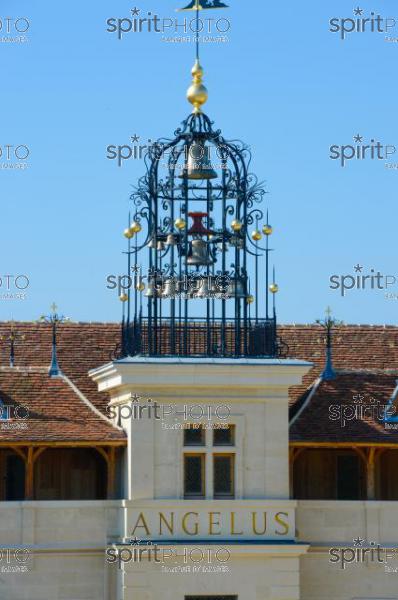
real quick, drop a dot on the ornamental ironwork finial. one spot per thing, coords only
(328, 323)
(11, 338)
(54, 319)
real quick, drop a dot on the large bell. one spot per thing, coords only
(199, 254)
(198, 165)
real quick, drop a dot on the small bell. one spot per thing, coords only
(199, 254)
(152, 243)
(150, 292)
(199, 164)
(171, 240)
(204, 289)
(236, 289)
(170, 288)
(160, 246)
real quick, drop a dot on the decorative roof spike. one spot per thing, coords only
(11, 338)
(328, 323)
(54, 319)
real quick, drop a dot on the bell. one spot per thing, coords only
(171, 240)
(160, 246)
(236, 289)
(152, 243)
(198, 254)
(199, 165)
(150, 292)
(204, 290)
(170, 288)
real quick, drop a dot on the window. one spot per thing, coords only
(194, 436)
(209, 473)
(224, 437)
(194, 475)
(223, 473)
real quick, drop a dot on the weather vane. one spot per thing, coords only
(54, 319)
(198, 5)
(12, 338)
(328, 323)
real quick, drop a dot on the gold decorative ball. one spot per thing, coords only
(140, 286)
(256, 235)
(128, 234)
(135, 227)
(236, 225)
(123, 298)
(267, 230)
(273, 288)
(250, 299)
(179, 223)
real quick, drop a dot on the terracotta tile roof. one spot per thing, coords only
(55, 411)
(349, 408)
(85, 346)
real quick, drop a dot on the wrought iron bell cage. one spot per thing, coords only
(202, 281)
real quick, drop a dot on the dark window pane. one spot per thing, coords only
(194, 437)
(223, 475)
(348, 475)
(194, 475)
(224, 437)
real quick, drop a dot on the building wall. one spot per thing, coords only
(67, 541)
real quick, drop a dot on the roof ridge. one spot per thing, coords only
(88, 403)
(315, 385)
(23, 369)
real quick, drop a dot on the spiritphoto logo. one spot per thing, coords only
(171, 29)
(139, 408)
(14, 560)
(192, 559)
(138, 149)
(13, 30)
(13, 287)
(13, 417)
(361, 408)
(361, 151)
(370, 281)
(14, 156)
(183, 288)
(362, 552)
(361, 23)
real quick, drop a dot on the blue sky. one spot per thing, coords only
(283, 83)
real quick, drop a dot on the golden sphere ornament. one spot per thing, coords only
(273, 288)
(123, 298)
(135, 227)
(236, 225)
(179, 223)
(267, 230)
(128, 234)
(256, 235)
(250, 299)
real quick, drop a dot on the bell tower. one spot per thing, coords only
(200, 381)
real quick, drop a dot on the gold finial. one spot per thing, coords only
(197, 93)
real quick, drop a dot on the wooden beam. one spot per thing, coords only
(111, 483)
(29, 475)
(50, 444)
(370, 475)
